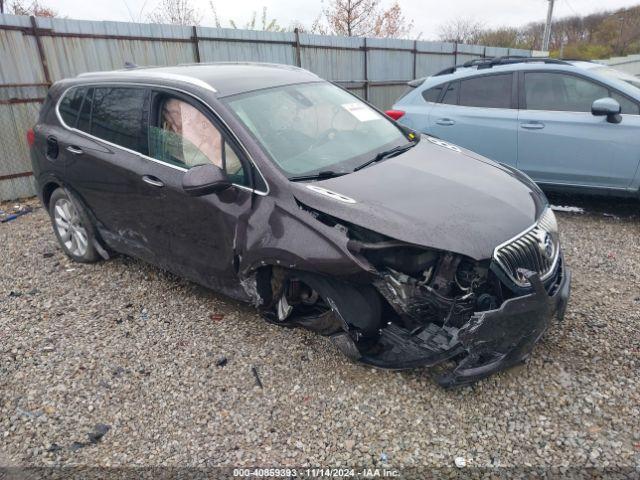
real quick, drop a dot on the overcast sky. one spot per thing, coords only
(427, 14)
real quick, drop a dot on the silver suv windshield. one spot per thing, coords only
(315, 128)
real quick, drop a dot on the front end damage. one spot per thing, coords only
(421, 307)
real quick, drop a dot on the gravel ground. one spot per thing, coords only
(123, 351)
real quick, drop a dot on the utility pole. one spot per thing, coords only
(1, 6)
(547, 27)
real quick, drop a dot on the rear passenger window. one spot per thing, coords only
(70, 106)
(118, 116)
(491, 91)
(433, 94)
(451, 95)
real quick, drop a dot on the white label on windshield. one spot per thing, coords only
(361, 111)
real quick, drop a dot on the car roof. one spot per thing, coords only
(589, 69)
(222, 78)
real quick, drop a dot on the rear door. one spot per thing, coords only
(107, 149)
(479, 113)
(561, 142)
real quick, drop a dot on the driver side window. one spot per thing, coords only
(182, 135)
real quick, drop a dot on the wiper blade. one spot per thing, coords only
(317, 176)
(386, 154)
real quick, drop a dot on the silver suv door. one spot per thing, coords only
(561, 142)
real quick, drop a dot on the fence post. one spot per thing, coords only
(298, 57)
(415, 57)
(455, 55)
(196, 43)
(366, 71)
(43, 58)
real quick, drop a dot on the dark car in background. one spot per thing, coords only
(274, 187)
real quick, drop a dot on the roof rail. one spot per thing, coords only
(482, 63)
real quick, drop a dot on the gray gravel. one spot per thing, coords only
(119, 363)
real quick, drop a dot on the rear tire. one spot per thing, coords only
(72, 227)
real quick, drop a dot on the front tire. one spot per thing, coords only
(73, 228)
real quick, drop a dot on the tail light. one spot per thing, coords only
(31, 137)
(395, 114)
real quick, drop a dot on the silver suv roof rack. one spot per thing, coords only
(482, 63)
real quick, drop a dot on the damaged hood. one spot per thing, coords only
(434, 196)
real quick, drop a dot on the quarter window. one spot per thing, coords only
(491, 91)
(117, 116)
(433, 94)
(185, 137)
(70, 106)
(561, 92)
(451, 95)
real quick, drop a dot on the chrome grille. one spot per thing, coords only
(537, 249)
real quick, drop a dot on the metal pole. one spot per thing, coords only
(415, 57)
(43, 58)
(298, 56)
(621, 50)
(547, 28)
(196, 43)
(366, 70)
(1, 6)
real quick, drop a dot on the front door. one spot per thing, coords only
(199, 233)
(561, 142)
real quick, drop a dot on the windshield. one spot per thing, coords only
(315, 127)
(617, 74)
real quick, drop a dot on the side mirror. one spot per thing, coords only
(607, 107)
(205, 179)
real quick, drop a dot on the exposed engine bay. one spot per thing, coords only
(420, 308)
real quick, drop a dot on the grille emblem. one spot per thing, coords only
(545, 243)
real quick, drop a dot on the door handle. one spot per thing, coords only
(153, 181)
(446, 122)
(532, 125)
(75, 150)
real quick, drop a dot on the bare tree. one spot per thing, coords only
(35, 8)
(175, 12)
(359, 18)
(391, 23)
(461, 30)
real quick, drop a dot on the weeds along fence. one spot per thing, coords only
(35, 52)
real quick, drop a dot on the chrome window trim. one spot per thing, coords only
(146, 157)
(150, 73)
(554, 264)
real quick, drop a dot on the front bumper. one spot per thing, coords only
(499, 339)
(490, 341)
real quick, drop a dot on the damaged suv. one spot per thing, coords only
(274, 187)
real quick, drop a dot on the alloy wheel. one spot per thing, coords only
(72, 233)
